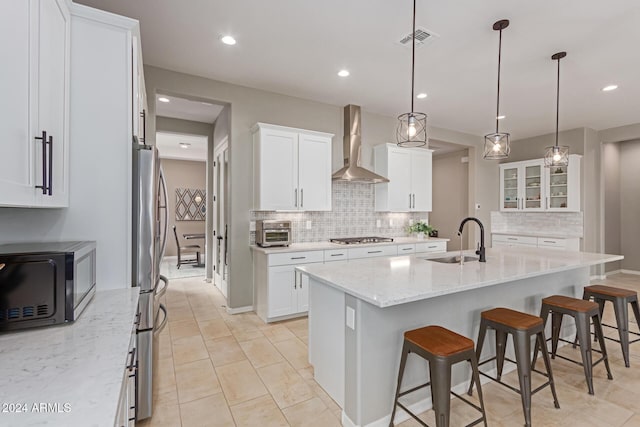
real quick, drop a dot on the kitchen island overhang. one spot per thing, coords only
(359, 310)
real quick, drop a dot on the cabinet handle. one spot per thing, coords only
(143, 114)
(407, 249)
(431, 247)
(374, 252)
(337, 254)
(301, 197)
(298, 257)
(43, 138)
(131, 364)
(414, 200)
(409, 200)
(50, 184)
(295, 192)
(550, 241)
(512, 238)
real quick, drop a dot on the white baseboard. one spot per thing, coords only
(611, 273)
(597, 277)
(239, 310)
(636, 272)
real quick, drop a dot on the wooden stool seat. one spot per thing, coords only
(610, 291)
(583, 312)
(521, 327)
(438, 340)
(511, 318)
(568, 303)
(620, 298)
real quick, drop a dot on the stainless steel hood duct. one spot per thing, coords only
(352, 145)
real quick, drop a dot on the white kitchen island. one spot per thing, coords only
(359, 310)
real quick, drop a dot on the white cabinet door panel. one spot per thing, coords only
(53, 71)
(282, 296)
(421, 181)
(399, 181)
(278, 170)
(314, 183)
(16, 142)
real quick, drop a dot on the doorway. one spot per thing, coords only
(220, 212)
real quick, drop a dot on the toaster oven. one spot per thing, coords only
(273, 233)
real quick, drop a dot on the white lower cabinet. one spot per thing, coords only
(282, 293)
(553, 243)
(126, 415)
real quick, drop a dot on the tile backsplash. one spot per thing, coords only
(553, 224)
(352, 215)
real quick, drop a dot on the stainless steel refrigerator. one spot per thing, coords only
(149, 241)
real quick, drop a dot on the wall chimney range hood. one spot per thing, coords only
(352, 145)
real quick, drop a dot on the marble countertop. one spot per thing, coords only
(318, 246)
(80, 365)
(535, 234)
(390, 281)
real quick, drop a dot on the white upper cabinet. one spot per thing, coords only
(529, 186)
(292, 169)
(522, 186)
(410, 175)
(35, 87)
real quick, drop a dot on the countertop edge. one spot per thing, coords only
(324, 245)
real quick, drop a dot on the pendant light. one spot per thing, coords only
(497, 145)
(412, 127)
(557, 155)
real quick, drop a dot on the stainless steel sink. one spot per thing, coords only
(452, 259)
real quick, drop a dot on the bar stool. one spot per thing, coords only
(620, 299)
(522, 327)
(442, 348)
(582, 311)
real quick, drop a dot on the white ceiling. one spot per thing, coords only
(297, 47)
(186, 109)
(169, 146)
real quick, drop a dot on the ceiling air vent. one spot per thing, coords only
(423, 36)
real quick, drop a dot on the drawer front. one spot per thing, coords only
(335, 255)
(293, 258)
(406, 249)
(522, 240)
(431, 247)
(552, 243)
(376, 251)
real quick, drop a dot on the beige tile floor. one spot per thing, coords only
(218, 369)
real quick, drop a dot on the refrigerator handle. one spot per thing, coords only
(160, 293)
(161, 326)
(164, 207)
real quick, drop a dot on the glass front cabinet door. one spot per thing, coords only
(563, 186)
(522, 186)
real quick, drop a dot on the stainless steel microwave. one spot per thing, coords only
(45, 284)
(273, 233)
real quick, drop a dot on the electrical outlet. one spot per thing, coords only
(378, 223)
(351, 318)
(477, 206)
(308, 225)
(252, 226)
(390, 222)
(410, 222)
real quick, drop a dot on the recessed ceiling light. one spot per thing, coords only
(500, 117)
(229, 40)
(184, 145)
(343, 73)
(163, 99)
(421, 96)
(610, 87)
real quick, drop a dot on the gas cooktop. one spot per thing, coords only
(360, 240)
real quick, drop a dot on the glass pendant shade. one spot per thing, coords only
(412, 130)
(497, 146)
(556, 155)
